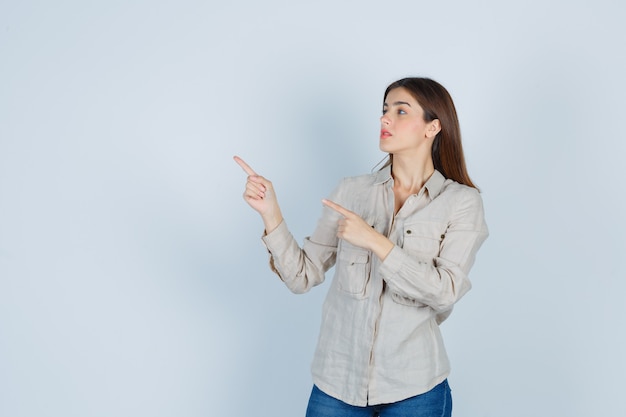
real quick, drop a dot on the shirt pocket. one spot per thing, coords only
(424, 237)
(353, 270)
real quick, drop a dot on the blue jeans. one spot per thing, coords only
(435, 403)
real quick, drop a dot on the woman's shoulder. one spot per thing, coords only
(460, 193)
(371, 178)
(463, 203)
(453, 187)
(350, 187)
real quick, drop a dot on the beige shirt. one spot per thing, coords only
(379, 340)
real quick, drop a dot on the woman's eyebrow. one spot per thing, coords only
(398, 103)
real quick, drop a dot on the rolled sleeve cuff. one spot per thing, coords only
(396, 260)
(277, 240)
(278, 244)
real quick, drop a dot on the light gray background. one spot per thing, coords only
(132, 278)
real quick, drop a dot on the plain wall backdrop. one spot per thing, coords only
(133, 281)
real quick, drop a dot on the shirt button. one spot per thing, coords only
(408, 232)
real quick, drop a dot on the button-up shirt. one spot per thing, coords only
(379, 340)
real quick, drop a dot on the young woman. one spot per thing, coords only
(402, 241)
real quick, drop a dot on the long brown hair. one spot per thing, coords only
(447, 150)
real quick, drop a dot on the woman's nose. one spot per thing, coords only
(384, 120)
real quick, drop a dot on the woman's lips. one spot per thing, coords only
(384, 134)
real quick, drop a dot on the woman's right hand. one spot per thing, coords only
(260, 195)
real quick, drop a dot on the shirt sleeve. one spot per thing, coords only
(441, 281)
(302, 268)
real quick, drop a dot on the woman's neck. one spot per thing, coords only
(410, 174)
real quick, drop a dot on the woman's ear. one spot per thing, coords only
(434, 127)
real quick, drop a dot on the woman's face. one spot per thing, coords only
(402, 126)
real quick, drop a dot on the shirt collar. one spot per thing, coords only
(434, 185)
(382, 176)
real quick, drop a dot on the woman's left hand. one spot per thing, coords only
(353, 229)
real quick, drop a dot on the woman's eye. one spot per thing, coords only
(400, 111)
(384, 111)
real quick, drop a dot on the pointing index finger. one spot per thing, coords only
(339, 209)
(244, 166)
